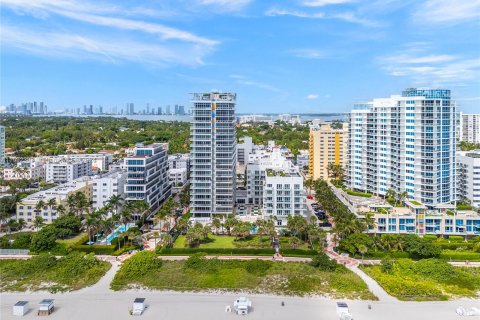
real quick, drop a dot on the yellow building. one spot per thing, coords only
(326, 145)
(26, 209)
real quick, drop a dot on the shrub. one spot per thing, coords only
(387, 265)
(97, 249)
(359, 194)
(258, 267)
(196, 261)
(423, 249)
(459, 256)
(140, 265)
(21, 240)
(323, 262)
(44, 240)
(69, 222)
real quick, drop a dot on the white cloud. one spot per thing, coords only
(295, 13)
(226, 5)
(321, 3)
(309, 53)
(447, 11)
(431, 69)
(312, 96)
(111, 49)
(345, 16)
(153, 43)
(240, 79)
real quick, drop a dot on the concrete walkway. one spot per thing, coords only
(269, 258)
(103, 285)
(373, 286)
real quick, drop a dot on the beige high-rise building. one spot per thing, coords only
(326, 145)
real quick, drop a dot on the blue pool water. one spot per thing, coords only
(115, 233)
(253, 230)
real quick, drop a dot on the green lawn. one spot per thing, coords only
(78, 239)
(228, 242)
(430, 279)
(45, 272)
(255, 276)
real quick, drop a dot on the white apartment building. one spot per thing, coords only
(468, 176)
(213, 154)
(406, 143)
(283, 195)
(2, 145)
(259, 161)
(64, 170)
(244, 149)
(26, 209)
(470, 127)
(107, 185)
(302, 158)
(179, 161)
(255, 118)
(292, 119)
(147, 175)
(25, 170)
(99, 161)
(178, 177)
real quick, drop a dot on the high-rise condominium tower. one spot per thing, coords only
(470, 128)
(213, 154)
(405, 143)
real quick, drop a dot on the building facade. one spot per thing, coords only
(405, 143)
(27, 208)
(326, 145)
(470, 128)
(147, 175)
(283, 195)
(31, 170)
(468, 176)
(244, 149)
(64, 170)
(179, 161)
(178, 177)
(213, 154)
(105, 186)
(2, 145)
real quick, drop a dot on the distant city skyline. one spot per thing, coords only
(297, 56)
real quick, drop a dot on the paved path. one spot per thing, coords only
(103, 285)
(373, 286)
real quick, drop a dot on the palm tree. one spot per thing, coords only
(21, 223)
(91, 223)
(402, 196)
(391, 194)
(38, 222)
(115, 202)
(39, 206)
(216, 223)
(125, 216)
(61, 209)
(370, 221)
(230, 223)
(51, 203)
(309, 184)
(294, 242)
(155, 236)
(167, 240)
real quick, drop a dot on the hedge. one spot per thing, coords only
(454, 245)
(359, 194)
(216, 251)
(236, 251)
(459, 255)
(97, 249)
(383, 254)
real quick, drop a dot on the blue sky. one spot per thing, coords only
(296, 56)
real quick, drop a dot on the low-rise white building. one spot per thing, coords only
(64, 170)
(99, 161)
(178, 177)
(468, 176)
(25, 170)
(283, 195)
(179, 161)
(244, 149)
(105, 186)
(27, 208)
(302, 158)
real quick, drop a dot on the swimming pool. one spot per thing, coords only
(114, 234)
